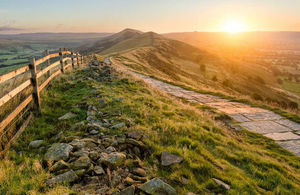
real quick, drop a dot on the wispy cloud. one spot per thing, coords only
(9, 28)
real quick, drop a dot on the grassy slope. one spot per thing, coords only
(247, 161)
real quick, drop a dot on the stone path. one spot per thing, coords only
(285, 132)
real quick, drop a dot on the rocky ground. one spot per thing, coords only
(96, 163)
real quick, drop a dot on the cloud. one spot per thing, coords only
(9, 28)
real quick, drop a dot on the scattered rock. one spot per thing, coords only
(67, 116)
(222, 184)
(169, 159)
(110, 149)
(135, 135)
(114, 159)
(82, 162)
(80, 153)
(94, 155)
(99, 170)
(128, 191)
(94, 132)
(67, 177)
(59, 166)
(58, 151)
(156, 186)
(77, 144)
(118, 126)
(59, 135)
(36, 144)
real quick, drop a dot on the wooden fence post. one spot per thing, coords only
(77, 60)
(48, 63)
(61, 61)
(72, 56)
(34, 80)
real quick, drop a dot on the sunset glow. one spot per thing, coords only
(234, 26)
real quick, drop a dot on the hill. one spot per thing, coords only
(184, 64)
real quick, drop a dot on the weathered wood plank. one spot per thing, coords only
(42, 72)
(14, 73)
(43, 59)
(14, 92)
(49, 79)
(14, 113)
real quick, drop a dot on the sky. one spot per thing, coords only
(160, 16)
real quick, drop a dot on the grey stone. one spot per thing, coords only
(156, 187)
(67, 177)
(59, 166)
(264, 127)
(128, 191)
(98, 170)
(82, 162)
(169, 159)
(222, 184)
(291, 145)
(113, 159)
(110, 149)
(36, 143)
(77, 144)
(94, 132)
(135, 135)
(82, 152)
(67, 116)
(94, 155)
(58, 151)
(118, 126)
(282, 136)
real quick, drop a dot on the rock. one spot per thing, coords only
(77, 144)
(58, 151)
(156, 186)
(94, 155)
(90, 118)
(81, 163)
(96, 126)
(114, 159)
(36, 143)
(67, 116)
(59, 135)
(222, 184)
(118, 126)
(67, 177)
(140, 172)
(128, 191)
(135, 135)
(135, 142)
(80, 153)
(169, 159)
(110, 149)
(59, 166)
(99, 170)
(94, 132)
(80, 172)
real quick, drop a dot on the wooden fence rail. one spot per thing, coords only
(66, 60)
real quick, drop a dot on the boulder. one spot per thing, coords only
(82, 162)
(67, 177)
(36, 144)
(67, 116)
(135, 135)
(222, 184)
(58, 151)
(99, 170)
(60, 165)
(169, 159)
(113, 159)
(118, 126)
(157, 186)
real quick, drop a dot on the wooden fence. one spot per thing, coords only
(65, 59)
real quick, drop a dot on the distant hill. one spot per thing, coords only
(184, 64)
(108, 41)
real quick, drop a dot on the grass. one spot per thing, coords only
(248, 162)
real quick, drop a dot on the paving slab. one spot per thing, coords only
(282, 136)
(262, 116)
(239, 118)
(289, 124)
(292, 146)
(264, 127)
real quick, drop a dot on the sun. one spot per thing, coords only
(234, 27)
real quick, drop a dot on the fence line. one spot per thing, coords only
(65, 57)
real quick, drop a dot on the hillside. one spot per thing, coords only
(115, 116)
(183, 64)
